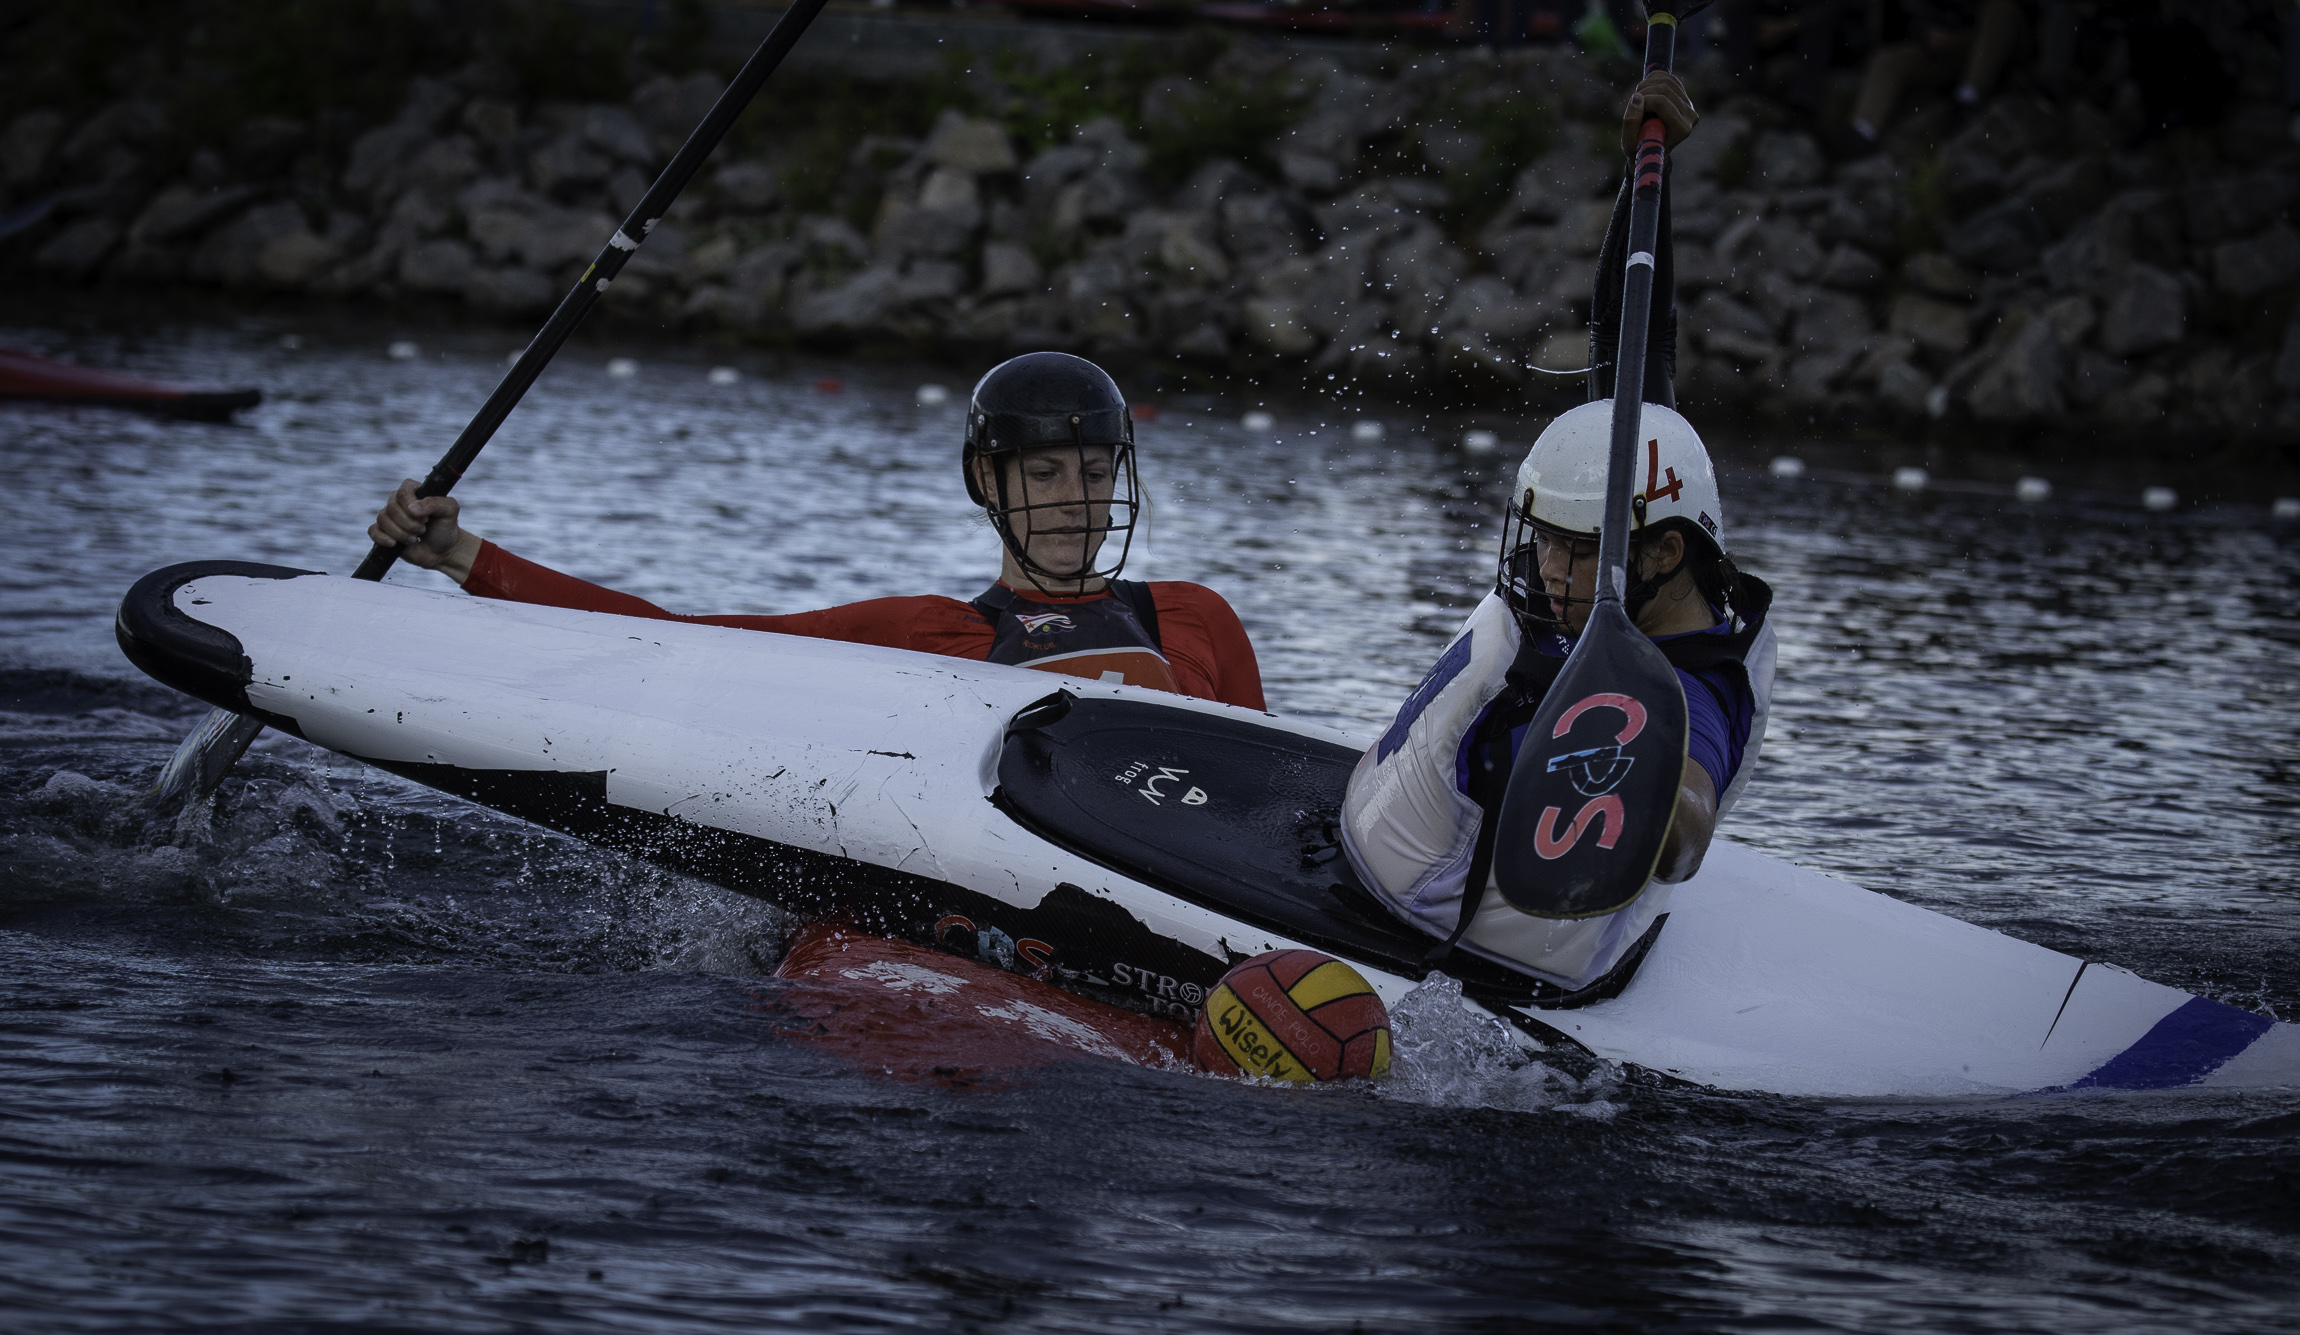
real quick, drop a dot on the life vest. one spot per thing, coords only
(1421, 795)
(1102, 639)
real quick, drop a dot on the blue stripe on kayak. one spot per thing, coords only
(2183, 1048)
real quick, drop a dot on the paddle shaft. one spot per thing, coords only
(211, 750)
(1636, 324)
(612, 257)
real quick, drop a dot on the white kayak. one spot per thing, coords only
(1127, 844)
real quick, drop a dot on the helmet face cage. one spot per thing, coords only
(1114, 515)
(1518, 577)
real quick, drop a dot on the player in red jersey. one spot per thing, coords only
(1049, 454)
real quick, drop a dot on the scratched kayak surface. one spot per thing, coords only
(343, 1051)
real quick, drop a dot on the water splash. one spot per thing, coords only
(1448, 1053)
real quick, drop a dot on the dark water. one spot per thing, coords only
(340, 1053)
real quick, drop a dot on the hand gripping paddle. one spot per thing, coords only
(1594, 787)
(210, 752)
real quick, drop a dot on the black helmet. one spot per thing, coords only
(1044, 400)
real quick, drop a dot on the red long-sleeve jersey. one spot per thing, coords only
(1198, 634)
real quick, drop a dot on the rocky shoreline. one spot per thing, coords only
(1420, 226)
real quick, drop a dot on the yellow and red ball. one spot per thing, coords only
(1294, 1015)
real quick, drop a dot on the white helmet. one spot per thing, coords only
(1561, 489)
(1561, 484)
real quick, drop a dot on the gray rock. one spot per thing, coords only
(1489, 306)
(1581, 230)
(1557, 181)
(1278, 326)
(2068, 194)
(1720, 324)
(1706, 153)
(1100, 198)
(1935, 325)
(930, 280)
(2022, 381)
(1450, 148)
(266, 145)
(1904, 388)
(491, 122)
(973, 146)
(1203, 342)
(182, 210)
(832, 240)
(2245, 269)
(1830, 322)
(511, 291)
(749, 186)
(2005, 238)
(671, 108)
(708, 262)
(1261, 225)
(1417, 272)
(1311, 173)
(1188, 251)
(617, 133)
(2093, 377)
(1214, 181)
(1848, 266)
(442, 166)
(625, 188)
(120, 126)
(233, 253)
(2071, 319)
(27, 146)
(567, 163)
(295, 259)
(76, 251)
(1784, 158)
(377, 156)
(1971, 180)
(1053, 168)
(544, 240)
(1106, 138)
(1009, 269)
(857, 306)
(1937, 274)
(2235, 205)
(444, 267)
(2148, 311)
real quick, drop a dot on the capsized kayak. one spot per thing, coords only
(1124, 844)
(26, 375)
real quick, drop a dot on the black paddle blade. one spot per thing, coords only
(1595, 785)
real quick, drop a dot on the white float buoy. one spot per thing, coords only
(1366, 428)
(724, 375)
(930, 395)
(2159, 498)
(622, 368)
(1481, 442)
(2286, 507)
(2033, 489)
(1786, 465)
(1910, 478)
(1258, 420)
(403, 351)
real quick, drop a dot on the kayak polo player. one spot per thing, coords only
(1049, 455)
(1419, 819)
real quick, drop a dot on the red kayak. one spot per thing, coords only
(25, 375)
(919, 1014)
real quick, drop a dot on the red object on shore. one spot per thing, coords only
(920, 1014)
(25, 375)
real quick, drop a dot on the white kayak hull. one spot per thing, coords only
(866, 783)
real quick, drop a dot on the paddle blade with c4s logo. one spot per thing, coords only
(1594, 787)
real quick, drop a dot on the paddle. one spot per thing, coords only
(209, 753)
(1594, 788)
